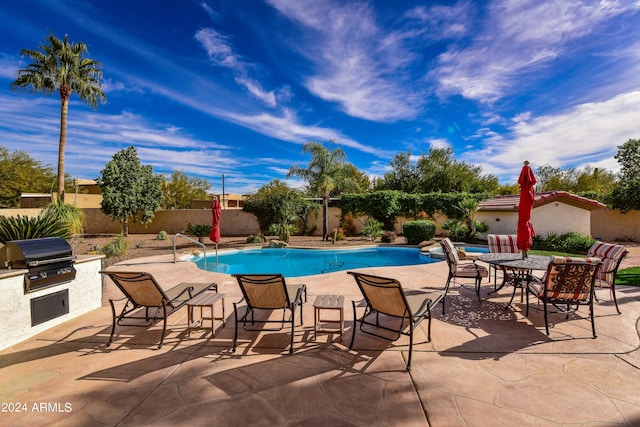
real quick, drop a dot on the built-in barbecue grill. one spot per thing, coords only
(49, 261)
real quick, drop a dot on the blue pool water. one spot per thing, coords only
(305, 262)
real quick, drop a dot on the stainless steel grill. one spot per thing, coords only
(49, 261)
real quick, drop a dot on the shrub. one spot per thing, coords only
(22, 227)
(418, 231)
(372, 229)
(388, 237)
(283, 231)
(162, 235)
(348, 227)
(199, 230)
(117, 247)
(339, 234)
(571, 243)
(255, 239)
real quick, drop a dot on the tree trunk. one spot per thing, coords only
(325, 219)
(64, 109)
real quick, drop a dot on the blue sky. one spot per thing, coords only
(236, 87)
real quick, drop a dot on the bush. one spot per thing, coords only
(255, 239)
(372, 229)
(162, 235)
(117, 247)
(418, 231)
(339, 234)
(22, 227)
(199, 230)
(388, 237)
(571, 243)
(348, 227)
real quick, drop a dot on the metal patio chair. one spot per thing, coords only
(384, 296)
(143, 292)
(568, 282)
(268, 292)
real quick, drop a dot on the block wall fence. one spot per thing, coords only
(608, 225)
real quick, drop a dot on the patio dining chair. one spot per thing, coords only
(384, 296)
(147, 300)
(268, 292)
(611, 256)
(458, 269)
(568, 282)
(503, 244)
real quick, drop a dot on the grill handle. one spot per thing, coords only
(38, 262)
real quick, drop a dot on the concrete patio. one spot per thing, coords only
(486, 366)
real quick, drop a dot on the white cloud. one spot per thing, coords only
(517, 36)
(357, 64)
(587, 135)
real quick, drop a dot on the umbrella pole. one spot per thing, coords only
(216, 254)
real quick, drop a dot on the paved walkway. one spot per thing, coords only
(486, 366)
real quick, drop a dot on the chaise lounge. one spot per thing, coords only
(143, 293)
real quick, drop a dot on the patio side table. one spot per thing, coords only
(204, 300)
(327, 302)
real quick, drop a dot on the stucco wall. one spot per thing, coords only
(611, 225)
(550, 218)
(85, 294)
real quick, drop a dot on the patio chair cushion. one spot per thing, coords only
(611, 255)
(563, 288)
(503, 243)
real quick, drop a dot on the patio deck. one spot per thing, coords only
(485, 366)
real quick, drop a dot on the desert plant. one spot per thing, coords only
(418, 231)
(348, 226)
(199, 230)
(162, 235)
(255, 238)
(116, 247)
(22, 227)
(71, 216)
(372, 229)
(283, 231)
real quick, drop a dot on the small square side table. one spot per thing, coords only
(206, 299)
(327, 302)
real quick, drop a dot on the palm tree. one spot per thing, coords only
(326, 172)
(61, 66)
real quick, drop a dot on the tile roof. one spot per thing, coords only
(510, 202)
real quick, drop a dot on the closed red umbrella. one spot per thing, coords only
(525, 229)
(216, 211)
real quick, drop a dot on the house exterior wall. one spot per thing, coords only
(553, 217)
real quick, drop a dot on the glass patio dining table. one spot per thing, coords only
(522, 268)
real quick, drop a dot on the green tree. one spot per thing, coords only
(61, 66)
(439, 171)
(326, 172)
(20, 173)
(626, 195)
(129, 189)
(588, 179)
(404, 175)
(180, 190)
(276, 203)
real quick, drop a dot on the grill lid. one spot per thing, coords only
(33, 252)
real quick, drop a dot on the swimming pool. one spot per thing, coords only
(305, 262)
